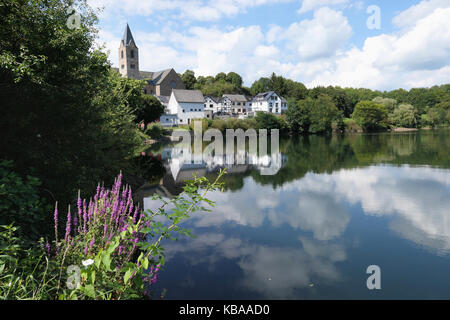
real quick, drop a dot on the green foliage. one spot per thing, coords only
(20, 202)
(155, 130)
(64, 119)
(405, 115)
(390, 104)
(313, 115)
(370, 116)
(189, 80)
(91, 265)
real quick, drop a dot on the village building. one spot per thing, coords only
(234, 103)
(187, 105)
(269, 102)
(158, 83)
(212, 104)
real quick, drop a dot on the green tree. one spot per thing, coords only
(370, 116)
(63, 121)
(405, 115)
(189, 80)
(390, 104)
(234, 79)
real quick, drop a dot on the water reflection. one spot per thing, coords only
(312, 229)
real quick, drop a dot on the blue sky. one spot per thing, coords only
(317, 42)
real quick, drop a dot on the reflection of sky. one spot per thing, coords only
(313, 216)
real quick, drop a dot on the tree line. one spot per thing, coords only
(321, 109)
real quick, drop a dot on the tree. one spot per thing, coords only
(221, 76)
(405, 115)
(370, 116)
(62, 117)
(261, 85)
(390, 104)
(234, 79)
(297, 116)
(267, 121)
(312, 115)
(189, 79)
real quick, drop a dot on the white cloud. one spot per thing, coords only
(418, 57)
(274, 272)
(190, 10)
(320, 37)
(315, 51)
(410, 16)
(309, 5)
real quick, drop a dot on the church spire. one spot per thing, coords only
(127, 36)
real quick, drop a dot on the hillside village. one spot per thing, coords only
(181, 105)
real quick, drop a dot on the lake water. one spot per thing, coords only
(336, 206)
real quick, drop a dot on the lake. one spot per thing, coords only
(337, 205)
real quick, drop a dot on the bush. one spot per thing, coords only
(20, 202)
(155, 130)
(350, 125)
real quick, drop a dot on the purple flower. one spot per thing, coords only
(56, 221)
(47, 248)
(68, 225)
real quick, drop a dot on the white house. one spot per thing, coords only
(187, 105)
(168, 120)
(269, 102)
(212, 104)
(234, 103)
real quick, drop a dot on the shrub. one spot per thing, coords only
(20, 202)
(155, 130)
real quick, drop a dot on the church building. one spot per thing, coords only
(159, 83)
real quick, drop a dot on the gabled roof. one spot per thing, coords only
(163, 99)
(264, 96)
(127, 36)
(235, 97)
(189, 96)
(155, 78)
(215, 99)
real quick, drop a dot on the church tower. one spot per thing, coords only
(128, 56)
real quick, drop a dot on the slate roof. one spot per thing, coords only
(163, 99)
(235, 97)
(154, 78)
(127, 36)
(188, 96)
(215, 99)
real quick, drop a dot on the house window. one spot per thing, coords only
(145, 91)
(181, 120)
(132, 53)
(173, 84)
(132, 66)
(123, 67)
(121, 54)
(184, 111)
